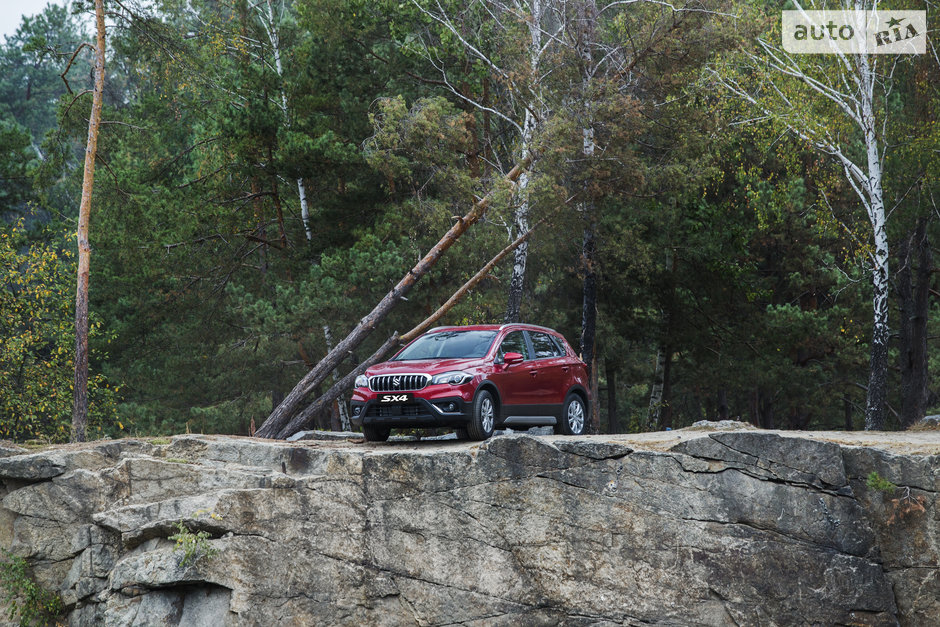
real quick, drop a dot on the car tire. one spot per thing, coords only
(483, 419)
(461, 434)
(573, 416)
(376, 434)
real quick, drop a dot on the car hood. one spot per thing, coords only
(426, 366)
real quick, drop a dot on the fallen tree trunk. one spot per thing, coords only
(298, 422)
(301, 419)
(284, 412)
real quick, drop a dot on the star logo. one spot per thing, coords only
(894, 22)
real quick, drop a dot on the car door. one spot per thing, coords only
(514, 381)
(550, 365)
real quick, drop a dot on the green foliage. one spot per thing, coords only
(731, 247)
(191, 546)
(33, 604)
(420, 146)
(876, 482)
(37, 296)
(16, 159)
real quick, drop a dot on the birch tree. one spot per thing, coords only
(837, 105)
(534, 26)
(270, 22)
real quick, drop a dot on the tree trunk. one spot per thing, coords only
(877, 401)
(764, 409)
(345, 425)
(283, 413)
(80, 402)
(767, 412)
(656, 392)
(665, 414)
(723, 405)
(847, 413)
(612, 420)
(585, 40)
(914, 309)
(521, 221)
(589, 317)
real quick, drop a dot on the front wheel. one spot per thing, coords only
(483, 420)
(573, 416)
(376, 434)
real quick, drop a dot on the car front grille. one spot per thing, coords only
(398, 382)
(394, 411)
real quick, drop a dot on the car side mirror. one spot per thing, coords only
(512, 358)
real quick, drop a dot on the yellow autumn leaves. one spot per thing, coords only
(37, 338)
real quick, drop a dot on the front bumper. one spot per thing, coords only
(450, 411)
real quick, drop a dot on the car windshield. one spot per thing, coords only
(448, 345)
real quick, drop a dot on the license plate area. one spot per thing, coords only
(393, 399)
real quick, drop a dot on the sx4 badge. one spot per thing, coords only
(393, 398)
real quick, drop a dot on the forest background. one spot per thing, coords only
(267, 171)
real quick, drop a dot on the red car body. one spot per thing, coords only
(530, 376)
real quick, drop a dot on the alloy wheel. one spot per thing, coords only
(487, 414)
(575, 416)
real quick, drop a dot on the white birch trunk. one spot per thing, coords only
(877, 397)
(521, 214)
(271, 29)
(521, 224)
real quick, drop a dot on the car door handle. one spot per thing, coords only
(533, 372)
(564, 368)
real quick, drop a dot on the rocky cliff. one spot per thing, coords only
(688, 528)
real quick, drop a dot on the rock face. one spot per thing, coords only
(730, 528)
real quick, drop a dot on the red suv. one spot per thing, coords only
(475, 379)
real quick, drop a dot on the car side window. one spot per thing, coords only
(543, 345)
(514, 343)
(562, 351)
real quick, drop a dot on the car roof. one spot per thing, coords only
(493, 327)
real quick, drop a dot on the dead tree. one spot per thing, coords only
(80, 401)
(286, 411)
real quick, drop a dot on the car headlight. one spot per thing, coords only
(362, 381)
(454, 378)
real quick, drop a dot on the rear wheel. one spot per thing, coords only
(376, 434)
(573, 416)
(483, 420)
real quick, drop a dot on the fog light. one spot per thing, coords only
(356, 411)
(450, 407)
